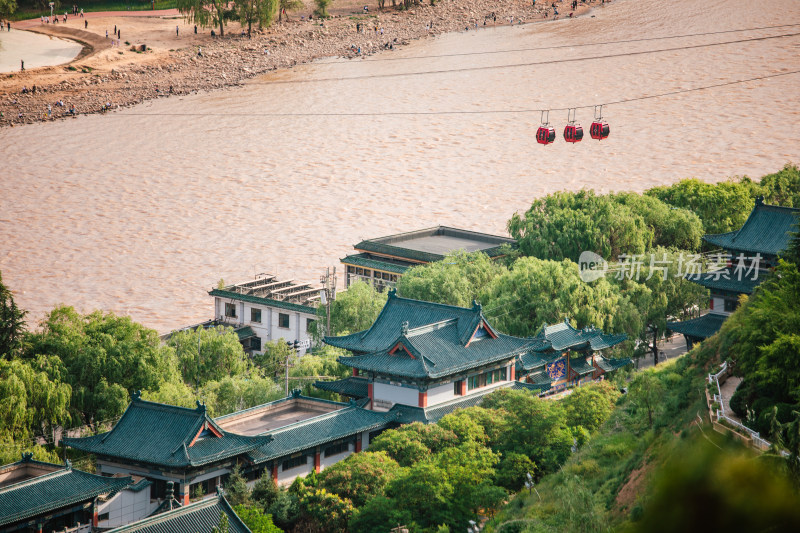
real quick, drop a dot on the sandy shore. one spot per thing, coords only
(123, 75)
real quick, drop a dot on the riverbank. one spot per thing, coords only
(175, 60)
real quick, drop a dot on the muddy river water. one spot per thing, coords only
(141, 211)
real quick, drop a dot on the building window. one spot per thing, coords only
(255, 344)
(294, 462)
(283, 320)
(255, 315)
(731, 305)
(310, 325)
(457, 387)
(103, 517)
(230, 310)
(351, 269)
(336, 449)
(487, 378)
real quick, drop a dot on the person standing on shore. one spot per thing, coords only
(21, 64)
(119, 35)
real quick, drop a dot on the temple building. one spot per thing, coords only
(286, 438)
(751, 252)
(380, 262)
(423, 360)
(201, 516)
(39, 497)
(567, 356)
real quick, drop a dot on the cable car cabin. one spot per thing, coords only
(545, 135)
(599, 130)
(573, 133)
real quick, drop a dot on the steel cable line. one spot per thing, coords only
(463, 112)
(528, 64)
(558, 47)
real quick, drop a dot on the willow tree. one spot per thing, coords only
(260, 12)
(204, 12)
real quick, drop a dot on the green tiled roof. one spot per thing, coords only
(295, 394)
(320, 430)
(416, 313)
(563, 336)
(165, 435)
(609, 364)
(45, 493)
(728, 279)
(199, 517)
(437, 336)
(140, 485)
(263, 301)
(353, 386)
(245, 333)
(533, 360)
(766, 231)
(366, 261)
(699, 328)
(537, 388)
(580, 366)
(394, 244)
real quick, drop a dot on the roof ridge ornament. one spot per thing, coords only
(296, 393)
(759, 199)
(136, 396)
(392, 293)
(476, 306)
(27, 457)
(201, 407)
(404, 328)
(68, 464)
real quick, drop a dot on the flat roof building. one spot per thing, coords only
(382, 260)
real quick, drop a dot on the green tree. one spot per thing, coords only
(288, 5)
(105, 357)
(458, 279)
(12, 318)
(256, 520)
(413, 442)
(208, 354)
(328, 512)
(782, 187)
(236, 490)
(513, 470)
(425, 491)
(591, 405)
(380, 514)
(322, 8)
(273, 359)
(353, 310)
(231, 394)
(265, 491)
(646, 392)
(360, 477)
(537, 427)
(222, 525)
(705, 199)
(672, 227)
(536, 291)
(204, 13)
(564, 224)
(260, 12)
(33, 399)
(7, 8)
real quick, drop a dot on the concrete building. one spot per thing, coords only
(382, 261)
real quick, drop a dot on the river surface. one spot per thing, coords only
(37, 50)
(143, 210)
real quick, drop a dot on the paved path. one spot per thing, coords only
(30, 23)
(727, 389)
(671, 348)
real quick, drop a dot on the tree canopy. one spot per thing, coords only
(353, 310)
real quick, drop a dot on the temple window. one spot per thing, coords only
(255, 315)
(294, 462)
(283, 320)
(230, 310)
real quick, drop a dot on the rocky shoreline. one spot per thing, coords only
(230, 61)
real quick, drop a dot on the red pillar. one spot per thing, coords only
(275, 473)
(358, 443)
(370, 394)
(423, 399)
(355, 372)
(185, 494)
(512, 373)
(316, 463)
(463, 387)
(38, 528)
(711, 303)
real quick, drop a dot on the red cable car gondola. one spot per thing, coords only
(599, 129)
(573, 132)
(546, 133)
